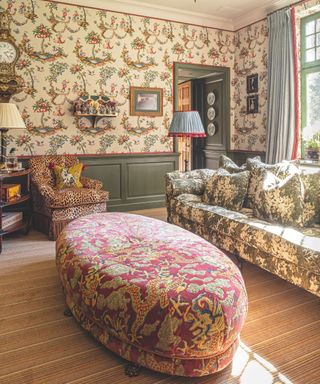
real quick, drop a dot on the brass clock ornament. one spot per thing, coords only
(10, 83)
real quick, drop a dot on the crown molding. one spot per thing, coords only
(155, 11)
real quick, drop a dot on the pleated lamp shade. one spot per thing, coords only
(10, 116)
(186, 124)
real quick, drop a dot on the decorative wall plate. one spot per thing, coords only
(211, 98)
(211, 129)
(211, 113)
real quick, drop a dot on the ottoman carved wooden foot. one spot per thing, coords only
(153, 293)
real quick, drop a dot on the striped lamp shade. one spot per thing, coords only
(186, 124)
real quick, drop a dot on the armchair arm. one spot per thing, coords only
(91, 183)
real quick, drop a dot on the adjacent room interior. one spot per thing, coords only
(160, 192)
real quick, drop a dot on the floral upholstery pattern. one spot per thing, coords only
(280, 200)
(229, 165)
(291, 253)
(194, 186)
(226, 189)
(54, 208)
(153, 293)
(311, 209)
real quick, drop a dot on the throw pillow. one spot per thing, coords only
(230, 166)
(257, 168)
(68, 177)
(226, 189)
(311, 207)
(280, 201)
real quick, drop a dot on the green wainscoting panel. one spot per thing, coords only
(134, 181)
(142, 180)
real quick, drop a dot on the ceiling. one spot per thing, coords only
(229, 15)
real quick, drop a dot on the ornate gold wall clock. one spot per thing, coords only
(10, 83)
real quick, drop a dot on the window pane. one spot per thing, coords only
(318, 54)
(310, 41)
(310, 55)
(313, 97)
(311, 133)
(318, 39)
(310, 27)
(318, 25)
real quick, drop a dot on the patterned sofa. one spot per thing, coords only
(289, 252)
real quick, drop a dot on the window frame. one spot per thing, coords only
(305, 69)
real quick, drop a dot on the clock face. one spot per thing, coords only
(8, 52)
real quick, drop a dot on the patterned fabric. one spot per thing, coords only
(194, 186)
(227, 190)
(152, 292)
(311, 208)
(68, 177)
(291, 253)
(230, 166)
(280, 201)
(54, 205)
(256, 167)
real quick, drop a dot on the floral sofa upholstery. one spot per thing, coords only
(289, 252)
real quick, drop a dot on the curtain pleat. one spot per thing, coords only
(281, 88)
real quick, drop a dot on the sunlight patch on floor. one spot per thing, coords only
(251, 368)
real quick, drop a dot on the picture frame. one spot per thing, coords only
(253, 83)
(252, 104)
(146, 101)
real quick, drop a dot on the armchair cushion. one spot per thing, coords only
(91, 183)
(68, 177)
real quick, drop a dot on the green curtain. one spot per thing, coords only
(281, 98)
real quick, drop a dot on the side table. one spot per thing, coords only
(23, 203)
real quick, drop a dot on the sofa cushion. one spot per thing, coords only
(68, 177)
(255, 166)
(311, 208)
(280, 201)
(300, 246)
(226, 189)
(229, 165)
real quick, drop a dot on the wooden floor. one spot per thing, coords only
(280, 340)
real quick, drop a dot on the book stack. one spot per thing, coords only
(11, 218)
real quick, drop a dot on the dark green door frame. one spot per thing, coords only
(224, 71)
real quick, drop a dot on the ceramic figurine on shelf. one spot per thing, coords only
(78, 106)
(102, 109)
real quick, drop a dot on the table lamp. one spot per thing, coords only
(10, 118)
(186, 124)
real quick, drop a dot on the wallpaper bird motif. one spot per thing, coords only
(68, 51)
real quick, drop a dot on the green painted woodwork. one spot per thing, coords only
(134, 181)
(306, 68)
(220, 143)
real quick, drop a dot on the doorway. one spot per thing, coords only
(205, 89)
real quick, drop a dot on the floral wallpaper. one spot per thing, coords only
(251, 54)
(68, 51)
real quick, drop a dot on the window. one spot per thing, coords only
(310, 86)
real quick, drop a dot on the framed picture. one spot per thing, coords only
(252, 83)
(146, 101)
(252, 104)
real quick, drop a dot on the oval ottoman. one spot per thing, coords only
(153, 293)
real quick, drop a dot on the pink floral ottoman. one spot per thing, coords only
(153, 293)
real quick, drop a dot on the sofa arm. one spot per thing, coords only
(91, 183)
(187, 182)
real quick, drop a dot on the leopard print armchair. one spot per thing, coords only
(53, 209)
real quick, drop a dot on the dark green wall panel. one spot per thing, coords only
(134, 181)
(146, 179)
